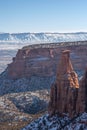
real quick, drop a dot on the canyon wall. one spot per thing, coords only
(41, 60)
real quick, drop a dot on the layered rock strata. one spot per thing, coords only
(41, 60)
(32, 62)
(63, 94)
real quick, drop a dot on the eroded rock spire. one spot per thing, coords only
(64, 91)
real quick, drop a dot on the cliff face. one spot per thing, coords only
(32, 62)
(42, 60)
(64, 91)
(82, 95)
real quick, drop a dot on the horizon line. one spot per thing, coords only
(45, 32)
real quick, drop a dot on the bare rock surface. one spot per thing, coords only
(63, 95)
(41, 60)
(82, 95)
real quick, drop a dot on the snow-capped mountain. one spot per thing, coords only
(42, 37)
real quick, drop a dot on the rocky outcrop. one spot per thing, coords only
(32, 62)
(58, 123)
(64, 91)
(82, 95)
(17, 67)
(41, 60)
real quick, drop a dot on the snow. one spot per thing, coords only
(58, 123)
(18, 40)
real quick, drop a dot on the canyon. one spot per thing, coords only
(25, 84)
(36, 65)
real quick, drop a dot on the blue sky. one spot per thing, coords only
(43, 16)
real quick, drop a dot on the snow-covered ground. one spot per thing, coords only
(30, 102)
(33, 83)
(18, 40)
(42, 37)
(21, 106)
(9, 112)
(59, 123)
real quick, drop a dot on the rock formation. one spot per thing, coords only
(41, 60)
(63, 94)
(17, 67)
(32, 62)
(82, 95)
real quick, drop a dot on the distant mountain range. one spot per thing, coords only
(42, 37)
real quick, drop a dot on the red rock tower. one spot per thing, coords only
(64, 91)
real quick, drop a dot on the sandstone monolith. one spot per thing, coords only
(63, 94)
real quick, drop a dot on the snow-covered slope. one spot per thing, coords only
(33, 83)
(18, 109)
(42, 37)
(59, 123)
(30, 102)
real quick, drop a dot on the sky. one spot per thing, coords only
(43, 16)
